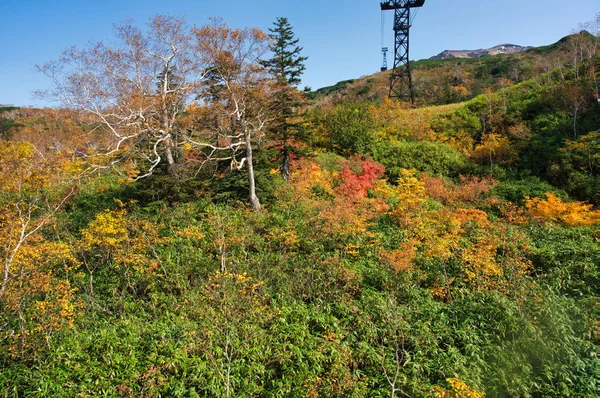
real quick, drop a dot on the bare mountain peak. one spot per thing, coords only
(499, 49)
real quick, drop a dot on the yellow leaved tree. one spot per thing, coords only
(36, 297)
(494, 149)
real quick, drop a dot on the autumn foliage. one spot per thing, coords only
(122, 245)
(356, 184)
(469, 190)
(36, 297)
(458, 389)
(419, 252)
(553, 209)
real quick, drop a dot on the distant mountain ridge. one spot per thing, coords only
(499, 49)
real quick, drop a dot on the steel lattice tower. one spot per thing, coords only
(401, 79)
(384, 51)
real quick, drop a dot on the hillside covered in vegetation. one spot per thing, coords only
(445, 81)
(227, 236)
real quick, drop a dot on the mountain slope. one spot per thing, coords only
(453, 80)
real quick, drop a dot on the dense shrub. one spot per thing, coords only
(516, 190)
(348, 128)
(433, 158)
(566, 258)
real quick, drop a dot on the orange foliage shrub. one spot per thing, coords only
(491, 253)
(553, 209)
(469, 190)
(464, 216)
(344, 219)
(400, 260)
(349, 215)
(309, 178)
(337, 203)
(511, 213)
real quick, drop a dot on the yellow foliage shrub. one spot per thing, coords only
(39, 297)
(553, 209)
(410, 193)
(400, 260)
(107, 232)
(494, 149)
(125, 243)
(458, 389)
(36, 298)
(310, 177)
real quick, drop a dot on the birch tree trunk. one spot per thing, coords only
(251, 180)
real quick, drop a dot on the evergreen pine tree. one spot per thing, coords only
(286, 65)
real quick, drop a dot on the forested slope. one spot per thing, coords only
(450, 250)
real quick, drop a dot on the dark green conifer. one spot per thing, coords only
(286, 65)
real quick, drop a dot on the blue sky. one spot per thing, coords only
(341, 38)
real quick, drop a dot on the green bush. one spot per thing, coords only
(516, 190)
(96, 195)
(330, 161)
(584, 186)
(349, 128)
(566, 258)
(463, 120)
(432, 157)
(534, 349)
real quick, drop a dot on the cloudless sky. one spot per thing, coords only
(341, 38)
